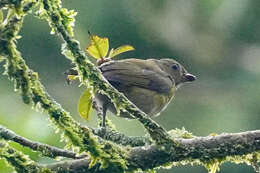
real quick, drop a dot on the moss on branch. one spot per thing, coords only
(44, 149)
(32, 91)
(119, 138)
(20, 162)
(90, 73)
(210, 151)
(133, 153)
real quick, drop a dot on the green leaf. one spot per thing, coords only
(120, 50)
(98, 47)
(85, 104)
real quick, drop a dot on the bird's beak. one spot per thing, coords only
(189, 77)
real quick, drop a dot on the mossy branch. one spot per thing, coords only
(237, 148)
(168, 150)
(20, 162)
(44, 149)
(92, 76)
(32, 91)
(119, 138)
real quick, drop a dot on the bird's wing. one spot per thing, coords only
(127, 73)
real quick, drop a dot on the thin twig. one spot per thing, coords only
(122, 139)
(45, 149)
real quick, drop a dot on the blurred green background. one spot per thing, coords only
(217, 40)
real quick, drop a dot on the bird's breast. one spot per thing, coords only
(149, 101)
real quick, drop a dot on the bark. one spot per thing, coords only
(202, 148)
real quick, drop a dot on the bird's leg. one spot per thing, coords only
(104, 118)
(101, 113)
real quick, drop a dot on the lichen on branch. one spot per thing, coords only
(110, 151)
(19, 161)
(32, 91)
(91, 76)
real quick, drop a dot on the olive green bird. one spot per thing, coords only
(149, 84)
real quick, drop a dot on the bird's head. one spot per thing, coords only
(176, 71)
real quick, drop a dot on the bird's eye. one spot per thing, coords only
(175, 67)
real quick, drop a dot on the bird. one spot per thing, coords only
(149, 84)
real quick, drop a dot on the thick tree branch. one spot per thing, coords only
(74, 166)
(203, 148)
(78, 166)
(221, 147)
(44, 149)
